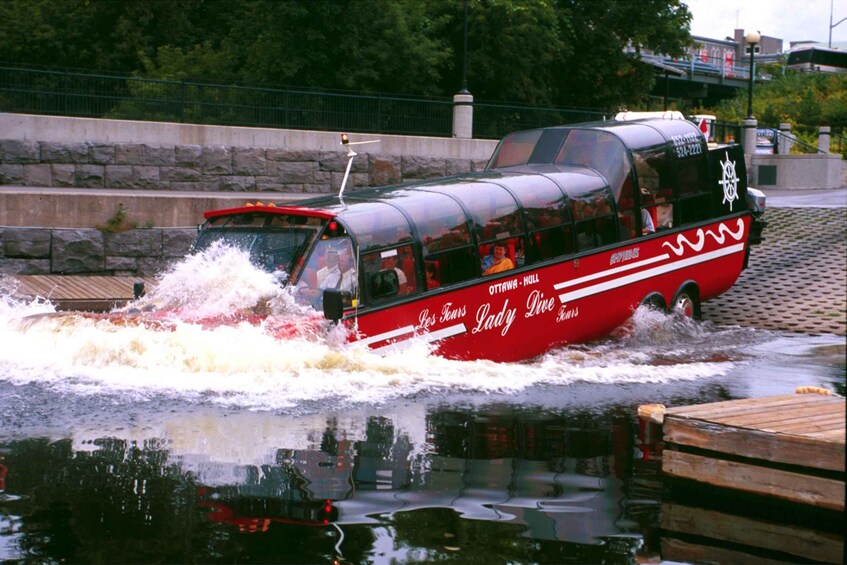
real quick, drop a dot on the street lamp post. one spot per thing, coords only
(752, 38)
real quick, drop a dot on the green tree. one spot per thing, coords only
(545, 52)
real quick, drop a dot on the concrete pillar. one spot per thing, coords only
(823, 139)
(748, 135)
(463, 115)
(786, 140)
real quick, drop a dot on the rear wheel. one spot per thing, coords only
(687, 304)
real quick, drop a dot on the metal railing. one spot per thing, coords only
(40, 91)
(103, 96)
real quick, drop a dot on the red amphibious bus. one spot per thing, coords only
(563, 235)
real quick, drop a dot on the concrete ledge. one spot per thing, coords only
(86, 208)
(60, 129)
(800, 172)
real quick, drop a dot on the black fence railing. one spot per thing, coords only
(41, 91)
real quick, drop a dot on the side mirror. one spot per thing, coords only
(333, 304)
(384, 283)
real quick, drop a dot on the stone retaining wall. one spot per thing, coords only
(208, 168)
(137, 252)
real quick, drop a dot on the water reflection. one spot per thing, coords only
(542, 477)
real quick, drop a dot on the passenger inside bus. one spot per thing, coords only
(326, 269)
(389, 261)
(498, 261)
(432, 275)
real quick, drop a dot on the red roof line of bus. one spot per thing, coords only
(269, 209)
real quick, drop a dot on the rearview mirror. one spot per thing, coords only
(333, 304)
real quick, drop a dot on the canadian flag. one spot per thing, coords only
(704, 127)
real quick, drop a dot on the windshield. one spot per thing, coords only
(275, 242)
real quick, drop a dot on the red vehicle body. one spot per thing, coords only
(581, 223)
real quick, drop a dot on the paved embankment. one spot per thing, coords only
(796, 279)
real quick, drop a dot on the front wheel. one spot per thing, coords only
(686, 305)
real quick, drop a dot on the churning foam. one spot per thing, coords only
(243, 365)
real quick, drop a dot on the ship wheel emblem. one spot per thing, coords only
(729, 182)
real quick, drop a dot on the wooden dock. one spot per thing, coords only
(790, 447)
(88, 293)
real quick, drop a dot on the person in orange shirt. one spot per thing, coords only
(501, 262)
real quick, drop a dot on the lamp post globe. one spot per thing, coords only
(752, 38)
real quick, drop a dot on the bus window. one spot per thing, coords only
(543, 203)
(389, 273)
(549, 243)
(655, 182)
(331, 265)
(515, 149)
(451, 267)
(594, 223)
(695, 200)
(494, 212)
(500, 256)
(376, 224)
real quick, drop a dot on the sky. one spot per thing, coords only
(789, 20)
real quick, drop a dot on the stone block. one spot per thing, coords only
(384, 170)
(129, 154)
(237, 183)
(478, 164)
(151, 266)
(188, 155)
(457, 166)
(270, 184)
(216, 160)
(18, 151)
(134, 243)
(118, 176)
(77, 251)
(119, 264)
(101, 153)
(180, 174)
(177, 242)
(63, 174)
(25, 266)
(11, 174)
(421, 168)
(89, 176)
(293, 172)
(146, 177)
(288, 155)
(335, 162)
(158, 155)
(63, 152)
(38, 175)
(26, 243)
(249, 161)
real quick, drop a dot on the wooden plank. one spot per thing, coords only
(674, 550)
(693, 410)
(785, 485)
(72, 292)
(805, 413)
(779, 448)
(808, 544)
(717, 411)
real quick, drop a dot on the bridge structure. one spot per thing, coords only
(694, 79)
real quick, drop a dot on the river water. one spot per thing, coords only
(123, 442)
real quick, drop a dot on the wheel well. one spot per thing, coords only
(654, 300)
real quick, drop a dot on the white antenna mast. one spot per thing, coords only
(345, 140)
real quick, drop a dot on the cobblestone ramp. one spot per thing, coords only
(796, 279)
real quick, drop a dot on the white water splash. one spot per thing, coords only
(243, 365)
